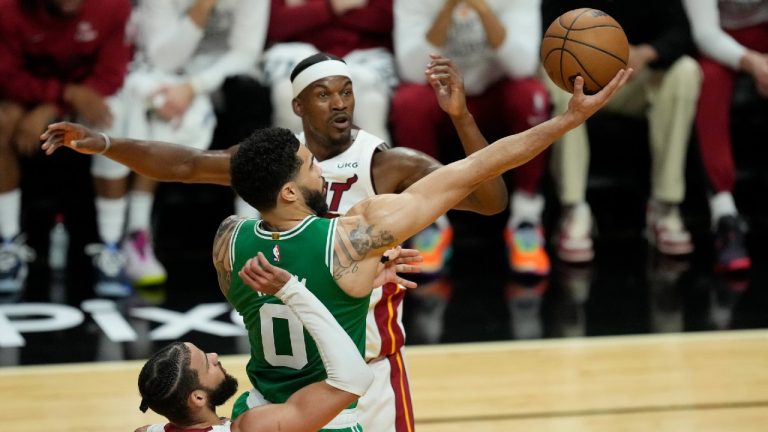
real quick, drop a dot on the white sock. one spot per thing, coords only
(525, 207)
(110, 218)
(10, 212)
(722, 204)
(139, 210)
(244, 209)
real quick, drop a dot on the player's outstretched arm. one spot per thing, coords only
(349, 377)
(390, 219)
(157, 160)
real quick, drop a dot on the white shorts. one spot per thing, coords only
(386, 406)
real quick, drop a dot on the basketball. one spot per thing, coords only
(586, 42)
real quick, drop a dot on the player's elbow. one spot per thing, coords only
(360, 379)
(496, 206)
(365, 377)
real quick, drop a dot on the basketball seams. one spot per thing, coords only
(583, 69)
(604, 48)
(563, 48)
(559, 20)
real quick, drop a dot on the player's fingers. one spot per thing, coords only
(406, 268)
(263, 263)
(406, 283)
(618, 80)
(410, 260)
(578, 85)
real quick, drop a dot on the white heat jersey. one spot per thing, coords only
(348, 175)
(167, 427)
(349, 181)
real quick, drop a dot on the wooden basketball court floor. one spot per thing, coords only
(716, 381)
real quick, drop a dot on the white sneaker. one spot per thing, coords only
(574, 242)
(665, 229)
(14, 256)
(109, 265)
(142, 267)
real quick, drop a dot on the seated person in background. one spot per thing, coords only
(60, 59)
(664, 89)
(732, 37)
(495, 43)
(186, 50)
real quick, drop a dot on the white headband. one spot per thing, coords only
(323, 69)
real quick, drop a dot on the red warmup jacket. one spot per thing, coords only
(314, 22)
(40, 53)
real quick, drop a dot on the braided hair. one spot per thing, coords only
(166, 381)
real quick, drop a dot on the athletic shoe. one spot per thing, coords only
(14, 256)
(142, 267)
(574, 239)
(434, 243)
(109, 265)
(666, 231)
(525, 247)
(730, 251)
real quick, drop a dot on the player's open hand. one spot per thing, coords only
(262, 276)
(448, 85)
(398, 260)
(582, 106)
(77, 137)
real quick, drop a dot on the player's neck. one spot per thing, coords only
(323, 147)
(204, 421)
(283, 219)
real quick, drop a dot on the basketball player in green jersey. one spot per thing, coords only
(338, 258)
(185, 384)
(280, 178)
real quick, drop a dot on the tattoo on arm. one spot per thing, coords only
(353, 245)
(221, 258)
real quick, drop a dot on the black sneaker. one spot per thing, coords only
(731, 253)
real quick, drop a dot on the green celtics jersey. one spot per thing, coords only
(284, 357)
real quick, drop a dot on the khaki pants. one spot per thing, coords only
(668, 100)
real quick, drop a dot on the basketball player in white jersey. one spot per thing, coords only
(356, 165)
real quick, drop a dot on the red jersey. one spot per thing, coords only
(40, 52)
(313, 22)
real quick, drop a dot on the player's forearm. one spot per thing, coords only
(491, 197)
(343, 362)
(171, 162)
(515, 150)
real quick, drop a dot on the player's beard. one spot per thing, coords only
(315, 200)
(222, 393)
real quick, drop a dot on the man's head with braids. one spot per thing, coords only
(181, 377)
(267, 161)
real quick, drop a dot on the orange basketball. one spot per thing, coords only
(585, 42)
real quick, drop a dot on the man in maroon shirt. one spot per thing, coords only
(59, 59)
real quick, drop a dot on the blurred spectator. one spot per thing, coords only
(186, 50)
(732, 36)
(359, 31)
(495, 43)
(664, 88)
(59, 59)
